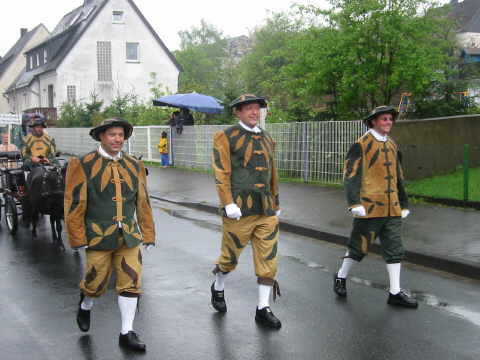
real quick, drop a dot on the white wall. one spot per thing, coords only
(79, 68)
(468, 39)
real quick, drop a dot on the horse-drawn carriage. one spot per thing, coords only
(13, 189)
(29, 190)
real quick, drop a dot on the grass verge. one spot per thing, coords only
(448, 186)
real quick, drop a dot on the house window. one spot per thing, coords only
(132, 51)
(45, 56)
(38, 60)
(71, 94)
(31, 62)
(117, 17)
(104, 60)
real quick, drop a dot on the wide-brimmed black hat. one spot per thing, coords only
(384, 109)
(108, 123)
(37, 119)
(248, 99)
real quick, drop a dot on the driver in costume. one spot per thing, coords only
(39, 147)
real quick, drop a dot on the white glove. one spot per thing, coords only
(359, 211)
(84, 247)
(278, 212)
(148, 247)
(405, 213)
(233, 211)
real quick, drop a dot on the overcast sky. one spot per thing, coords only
(167, 17)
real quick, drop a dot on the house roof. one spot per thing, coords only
(467, 13)
(16, 49)
(66, 34)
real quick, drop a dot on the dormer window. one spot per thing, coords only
(44, 56)
(31, 62)
(38, 60)
(117, 17)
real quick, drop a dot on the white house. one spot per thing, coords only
(467, 14)
(12, 64)
(105, 47)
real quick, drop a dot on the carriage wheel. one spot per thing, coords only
(11, 215)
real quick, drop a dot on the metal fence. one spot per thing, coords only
(309, 151)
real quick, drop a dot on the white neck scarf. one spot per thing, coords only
(255, 129)
(378, 136)
(107, 155)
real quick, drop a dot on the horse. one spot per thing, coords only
(45, 195)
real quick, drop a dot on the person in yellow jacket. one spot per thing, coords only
(163, 149)
(108, 213)
(39, 146)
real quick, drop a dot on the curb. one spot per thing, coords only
(464, 269)
(448, 202)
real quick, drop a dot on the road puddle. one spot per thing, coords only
(422, 297)
(182, 214)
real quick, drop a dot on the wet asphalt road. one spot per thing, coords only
(39, 300)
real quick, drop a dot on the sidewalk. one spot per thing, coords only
(440, 237)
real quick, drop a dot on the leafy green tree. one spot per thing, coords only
(202, 52)
(371, 50)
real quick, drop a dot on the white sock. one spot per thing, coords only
(128, 307)
(219, 281)
(394, 275)
(263, 296)
(346, 266)
(87, 303)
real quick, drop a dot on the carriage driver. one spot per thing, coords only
(39, 147)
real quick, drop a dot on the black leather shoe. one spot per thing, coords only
(131, 341)
(266, 318)
(339, 286)
(83, 316)
(402, 299)
(218, 299)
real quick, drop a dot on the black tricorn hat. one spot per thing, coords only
(384, 109)
(248, 99)
(108, 123)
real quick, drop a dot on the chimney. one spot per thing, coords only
(23, 31)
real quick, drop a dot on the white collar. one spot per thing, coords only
(107, 155)
(255, 130)
(378, 136)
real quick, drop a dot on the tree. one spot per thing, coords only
(371, 50)
(202, 52)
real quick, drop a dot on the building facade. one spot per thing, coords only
(103, 48)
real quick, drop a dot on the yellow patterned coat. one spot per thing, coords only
(374, 178)
(102, 196)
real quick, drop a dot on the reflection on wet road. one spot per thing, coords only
(40, 297)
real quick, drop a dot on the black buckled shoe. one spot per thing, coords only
(266, 318)
(83, 316)
(402, 299)
(218, 299)
(339, 285)
(131, 341)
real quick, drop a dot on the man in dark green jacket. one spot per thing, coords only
(247, 185)
(108, 212)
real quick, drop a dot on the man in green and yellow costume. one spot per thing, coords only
(376, 196)
(39, 147)
(247, 185)
(108, 212)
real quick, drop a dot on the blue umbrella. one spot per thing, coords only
(192, 101)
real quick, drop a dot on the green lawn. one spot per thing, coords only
(447, 186)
